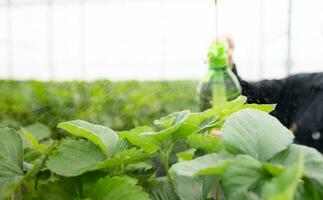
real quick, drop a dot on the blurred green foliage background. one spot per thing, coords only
(119, 105)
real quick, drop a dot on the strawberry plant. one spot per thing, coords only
(176, 159)
(121, 105)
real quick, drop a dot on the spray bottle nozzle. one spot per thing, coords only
(218, 55)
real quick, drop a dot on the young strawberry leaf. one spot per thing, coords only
(217, 169)
(176, 125)
(11, 158)
(190, 187)
(171, 119)
(129, 156)
(268, 108)
(116, 188)
(142, 137)
(186, 155)
(122, 145)
(11, 149)
(31, 154)
(220, 112)
(309, 189)
(102, 136)
(39, 131)
(28, 136)
(273, 169)
(11, 177)
(245, 195)
(283, 187)
(255, 133)
(162, 190)
(190, 168)
(183, 131)
(205, 141)
(245, 174)
(74, 157)
(58, 188)
(313, 160)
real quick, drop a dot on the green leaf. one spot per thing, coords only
(74, 157)
(220, 112)
(11, 156)
(11, 177)
(245, 195)
(142, 137)
(122, 145)
(273, 169)
(245, 174)
(212, 118)
(283, 186)
(35, 168)
(31, 154)
(177, 123)
(226, 109)
(124, 158)
(166, 121)
(309, 189)
(143, 172)
(189, 168)
(255, 133)
(206, 125)
(216, 116)
(162, 190)
(39, 131)
(209, 122)
(11, 146)
(183, 131)
(171, 119)
(182, 124)
(33, 141)
(217, 169)
(190, 187)
(61, 188)
(205, 141)
(116, 188)
(313, 160)
(262, 107)
(104, 137)
(186, 155)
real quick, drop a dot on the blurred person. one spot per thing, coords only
(299, 100)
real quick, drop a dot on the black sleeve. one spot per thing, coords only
(262, 92)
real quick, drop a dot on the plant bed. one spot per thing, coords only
(121, 105)
(180, 159)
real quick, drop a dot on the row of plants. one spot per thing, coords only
(119, 105)
(176, 159)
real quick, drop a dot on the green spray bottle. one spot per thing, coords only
(221, 84)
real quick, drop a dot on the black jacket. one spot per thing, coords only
(299, 100)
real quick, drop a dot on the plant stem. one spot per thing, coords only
(166, 155)
(217, 192)
(17, 194)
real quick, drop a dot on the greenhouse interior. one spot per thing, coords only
(161, 100)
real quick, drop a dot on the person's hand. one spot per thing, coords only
(229, 40)
(216, 133)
